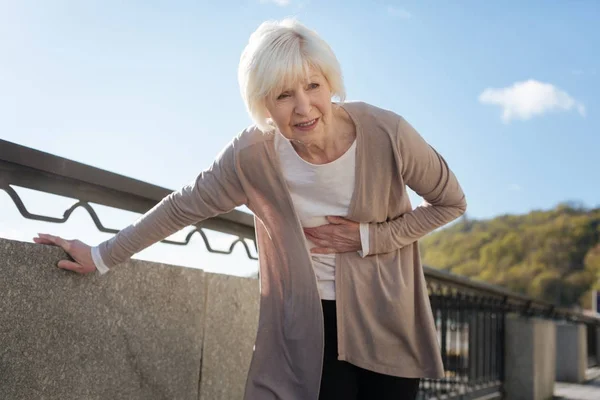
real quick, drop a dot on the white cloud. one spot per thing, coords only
(399, 12)
(524, 100)
(280, 3)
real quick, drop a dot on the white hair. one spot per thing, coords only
(280, 53)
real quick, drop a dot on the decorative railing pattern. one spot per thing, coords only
(469, 315)
(33, 169)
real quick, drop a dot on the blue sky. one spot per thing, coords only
(506, 91)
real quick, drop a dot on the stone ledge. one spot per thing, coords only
(135, 333)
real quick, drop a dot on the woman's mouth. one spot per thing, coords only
(307, 125)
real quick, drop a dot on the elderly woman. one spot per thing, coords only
(344, 309)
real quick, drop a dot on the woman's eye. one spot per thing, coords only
(283, 96)
(313, 86)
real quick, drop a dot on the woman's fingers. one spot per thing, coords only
(330, 246)
(323, 242)
(70, 265)
(322, 250)
(44, 238)
(333, 243)
(76, 267)
(41, 240)
(79, 252)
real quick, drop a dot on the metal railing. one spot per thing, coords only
(37, 170)
(469, 315)
(470, 318)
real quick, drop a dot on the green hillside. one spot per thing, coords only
(550, 255)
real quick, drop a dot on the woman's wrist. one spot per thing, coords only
(98, 262)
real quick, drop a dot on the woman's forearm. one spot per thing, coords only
(426, 172)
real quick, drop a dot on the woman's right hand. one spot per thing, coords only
(80, 252)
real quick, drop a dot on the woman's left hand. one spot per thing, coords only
(339, 236)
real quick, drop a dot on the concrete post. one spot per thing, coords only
(230, 326)
(529, 358)
(571, 352)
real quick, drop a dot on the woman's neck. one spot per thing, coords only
(337, 140)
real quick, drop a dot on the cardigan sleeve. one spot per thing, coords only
(214, 191)
(426, 172)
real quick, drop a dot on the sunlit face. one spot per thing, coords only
(303, 110)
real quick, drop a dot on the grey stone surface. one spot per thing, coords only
(529, 358)
(571, 347)
(589, 390)
(135, 333)
(230, 330)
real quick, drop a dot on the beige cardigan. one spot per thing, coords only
(385, 322)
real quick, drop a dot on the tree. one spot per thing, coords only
(552, 255)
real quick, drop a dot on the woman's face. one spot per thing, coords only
(303, 111)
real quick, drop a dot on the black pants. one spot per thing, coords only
(344, 381)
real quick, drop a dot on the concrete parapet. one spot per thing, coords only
(134, 333)
(530, 357)
(229, 335)
(571, 352)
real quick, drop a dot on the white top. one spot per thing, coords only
(317, 191)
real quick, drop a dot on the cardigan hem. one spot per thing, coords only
(402, 372)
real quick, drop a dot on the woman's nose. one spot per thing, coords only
(303, 106)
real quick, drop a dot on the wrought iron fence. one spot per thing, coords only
(592, 345)
(469, 315)
(471, 331)
(470, 318)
